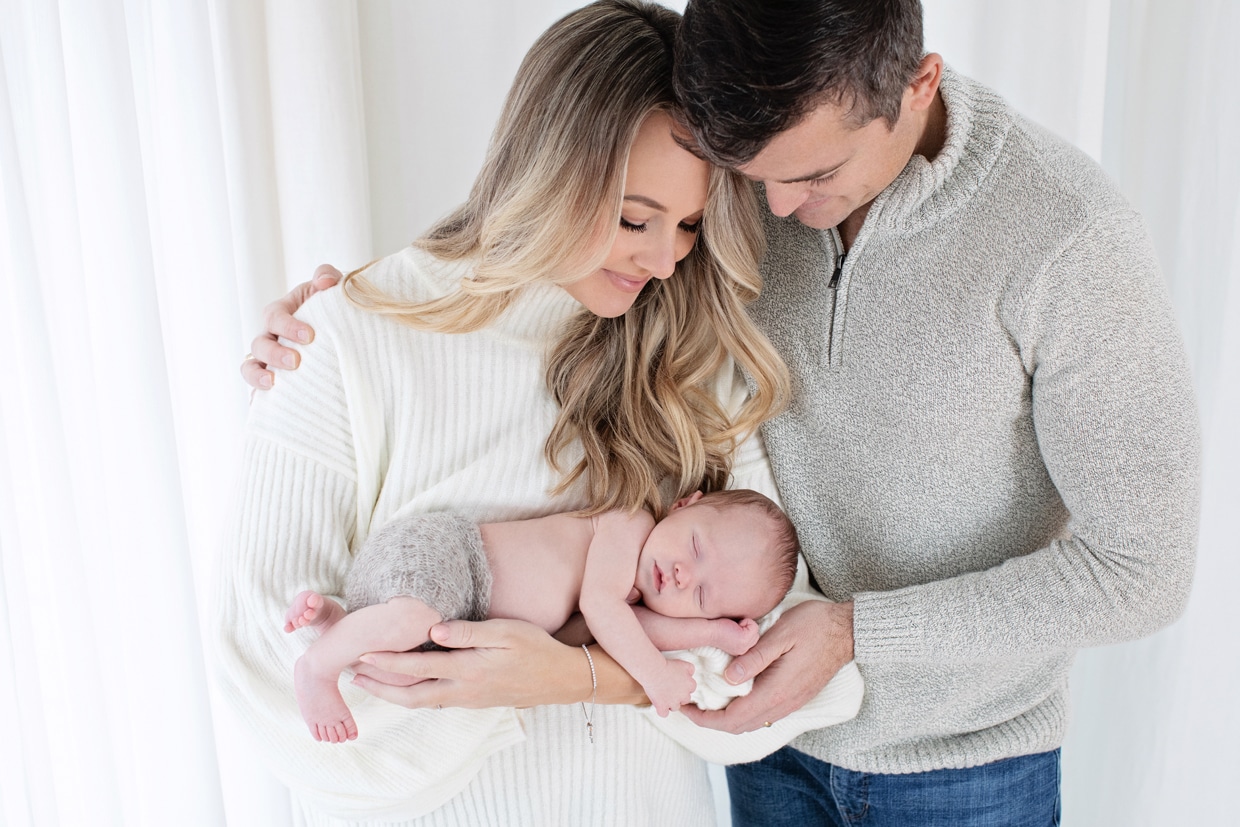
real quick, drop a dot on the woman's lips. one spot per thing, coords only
(625, 283)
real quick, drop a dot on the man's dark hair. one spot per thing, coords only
(747, 70)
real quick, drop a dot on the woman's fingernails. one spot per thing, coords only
(289, 361)
(303, 336)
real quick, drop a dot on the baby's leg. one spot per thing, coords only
(396, 626)
(312, 609)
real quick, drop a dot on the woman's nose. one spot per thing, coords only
(658, 258)
(660, 253)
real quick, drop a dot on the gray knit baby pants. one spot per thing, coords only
(437, 558)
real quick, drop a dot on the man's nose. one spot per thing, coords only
(783, 199)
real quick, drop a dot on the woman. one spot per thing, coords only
(563, 340)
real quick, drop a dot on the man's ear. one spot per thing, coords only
(920, 93)
(686, 501)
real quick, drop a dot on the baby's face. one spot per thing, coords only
(708, 561)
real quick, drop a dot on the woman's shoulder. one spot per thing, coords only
(407, 275)
(414, 275)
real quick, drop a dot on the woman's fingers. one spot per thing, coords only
(488, 663)
(463, 634)
(423, 695)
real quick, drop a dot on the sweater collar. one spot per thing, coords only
(978, 122)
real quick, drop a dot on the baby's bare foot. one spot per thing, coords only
(737, 638)
(310, 609)
(322, 707)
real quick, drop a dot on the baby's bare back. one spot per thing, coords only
(537, 567)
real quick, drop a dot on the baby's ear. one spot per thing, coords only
(686, 501)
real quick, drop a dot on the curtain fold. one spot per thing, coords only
(166, 169)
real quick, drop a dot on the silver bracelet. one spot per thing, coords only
(593, 695)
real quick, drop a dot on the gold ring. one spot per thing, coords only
(767, 724)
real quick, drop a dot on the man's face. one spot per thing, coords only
(827, 167)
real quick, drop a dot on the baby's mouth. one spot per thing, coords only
(659, 579)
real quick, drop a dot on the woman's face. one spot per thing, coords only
(664, 196)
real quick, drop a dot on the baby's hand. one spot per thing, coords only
(737, 638)
(671, 688)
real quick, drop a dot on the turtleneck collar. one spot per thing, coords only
(978, 122)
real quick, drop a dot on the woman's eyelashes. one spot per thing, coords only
(683, 226)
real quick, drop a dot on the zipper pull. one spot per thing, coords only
(839, 269)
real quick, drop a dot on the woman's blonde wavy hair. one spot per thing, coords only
(636, 393)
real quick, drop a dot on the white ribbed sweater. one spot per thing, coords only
(381, 418)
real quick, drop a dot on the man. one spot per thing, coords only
(992, 457)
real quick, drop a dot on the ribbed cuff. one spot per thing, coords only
(888, 627)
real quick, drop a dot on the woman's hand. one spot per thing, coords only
(495, 663)
(278, 320)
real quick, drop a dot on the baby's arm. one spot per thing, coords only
(610, 564)
(670, 633)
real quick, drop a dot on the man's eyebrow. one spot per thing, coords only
(649, 202)
(813, 176)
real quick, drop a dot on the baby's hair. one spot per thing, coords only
(785, 542)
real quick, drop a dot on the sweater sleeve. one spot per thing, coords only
(297, 515)
(1116, 425)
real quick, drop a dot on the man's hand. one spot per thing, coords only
(493, 663)
(265, 350)
(790, 664)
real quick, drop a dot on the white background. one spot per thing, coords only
(167, 168)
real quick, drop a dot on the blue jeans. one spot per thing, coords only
(791, 788)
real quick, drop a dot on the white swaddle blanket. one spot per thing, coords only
(838, 701)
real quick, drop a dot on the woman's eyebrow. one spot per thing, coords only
(649, 202)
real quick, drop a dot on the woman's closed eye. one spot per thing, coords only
(683, 226)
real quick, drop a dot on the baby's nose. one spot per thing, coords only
(681, 574)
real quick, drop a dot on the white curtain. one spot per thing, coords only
(168, 167)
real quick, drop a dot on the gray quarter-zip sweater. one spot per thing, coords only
(993, 448)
